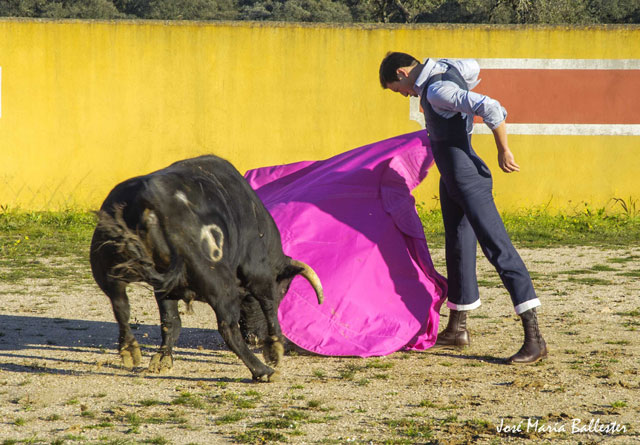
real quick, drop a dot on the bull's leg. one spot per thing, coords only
(273, 349)
(252, 322)
(230, 331)
(128, 346)
(170, 329)
(220, 288)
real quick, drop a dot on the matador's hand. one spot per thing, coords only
(507, 162)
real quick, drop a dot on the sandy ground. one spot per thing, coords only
(61, 380)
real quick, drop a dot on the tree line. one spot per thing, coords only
(574, 12)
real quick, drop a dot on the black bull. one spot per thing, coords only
(195, 231)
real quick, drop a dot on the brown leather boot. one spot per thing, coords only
(455, 335)
(534, 347)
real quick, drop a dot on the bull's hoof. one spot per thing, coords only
(131, 355)
(160, 362)
(271, 375)
(275, 377)
(273, 351)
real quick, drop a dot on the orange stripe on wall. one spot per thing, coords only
(565, 96)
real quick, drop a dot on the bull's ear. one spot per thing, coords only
(289, 272)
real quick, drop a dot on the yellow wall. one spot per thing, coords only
(88, 104)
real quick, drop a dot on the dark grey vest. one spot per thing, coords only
(443, 131)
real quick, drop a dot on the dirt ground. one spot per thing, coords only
(61, 380)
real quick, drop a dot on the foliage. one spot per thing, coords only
(57, 9)
(178, 9)
(295, 10)
(577, 12)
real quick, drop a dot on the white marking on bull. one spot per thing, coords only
(180, 196)
(213, 240)
(150, 217)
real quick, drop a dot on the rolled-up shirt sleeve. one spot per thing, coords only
(446, 96)
(490, 110)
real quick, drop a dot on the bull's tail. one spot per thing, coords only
(138, 264)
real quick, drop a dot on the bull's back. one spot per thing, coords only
(213, 202)
(202, 204)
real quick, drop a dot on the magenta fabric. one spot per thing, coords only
(353, 219)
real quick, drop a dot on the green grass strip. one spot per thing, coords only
(28, 235)
(537, 228)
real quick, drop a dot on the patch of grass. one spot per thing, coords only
(150, 402)
(380, 364)
(253, 394)
(26, 237)
(73, 437)
(427, 404)
(275, 424)
(412, 428)
(243, 403)
(603, 268)
(188, 399)
(619, 404)
(489, 283)
(325, 419)
(295, 415)
(247, 401)
(448, 407)
(158, 440)
(233, 417)
(539, 227)
(632, 274)
(133, 419)
(259, 437)
(450, 419)
(20, 421)
(576, 272)
(319, 373)
(349, 371)
(631, 313)
(622, 260)
(618, 342)
(590, 281)
(100, 425)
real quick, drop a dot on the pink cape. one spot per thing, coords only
(352, 218)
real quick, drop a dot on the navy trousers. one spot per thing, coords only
(470, 216)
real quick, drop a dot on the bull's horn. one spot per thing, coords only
(312, 277)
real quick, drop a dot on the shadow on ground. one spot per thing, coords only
(66, 346)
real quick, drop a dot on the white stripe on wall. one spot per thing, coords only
(566, 129)
(542, 129)
(560, 64)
